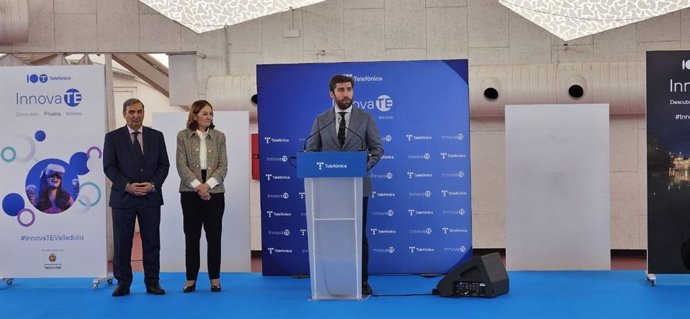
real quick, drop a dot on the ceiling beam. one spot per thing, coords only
(147, 68)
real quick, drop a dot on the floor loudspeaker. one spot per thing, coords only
(481, 276)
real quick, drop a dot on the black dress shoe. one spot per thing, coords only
(155, 289)
(366, 289)
(215, 288)
(188, 289)
(121, 290)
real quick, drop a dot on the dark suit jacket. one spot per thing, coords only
(122, 167)
(366, 137)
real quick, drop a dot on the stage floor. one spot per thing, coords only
(533, 294)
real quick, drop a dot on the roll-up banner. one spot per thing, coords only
(53, 187)
(668, 165)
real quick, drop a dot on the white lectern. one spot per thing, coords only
(333, 195)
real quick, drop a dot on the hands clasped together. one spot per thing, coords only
(203, 191)
(139, 189)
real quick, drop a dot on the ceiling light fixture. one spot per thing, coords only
(569, 19)
(208, 15)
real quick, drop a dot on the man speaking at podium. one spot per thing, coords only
(353, 130)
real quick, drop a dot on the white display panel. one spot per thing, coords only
(557, 187)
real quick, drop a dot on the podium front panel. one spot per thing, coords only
(335, 198)
(334, 224)
(335, 271)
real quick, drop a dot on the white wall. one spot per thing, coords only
(482, 31)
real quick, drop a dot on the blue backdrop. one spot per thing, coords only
(420, 212)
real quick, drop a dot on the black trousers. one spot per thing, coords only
(123, 232)
(198, 213)
(365, 242)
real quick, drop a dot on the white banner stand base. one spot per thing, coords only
(8, 281)
(108, 278)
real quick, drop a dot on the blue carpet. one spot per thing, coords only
(533, 294)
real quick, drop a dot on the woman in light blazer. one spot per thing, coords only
(202, 163)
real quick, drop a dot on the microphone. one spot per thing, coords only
(361, 140)
(304, 147)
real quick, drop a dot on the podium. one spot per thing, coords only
(333, 196)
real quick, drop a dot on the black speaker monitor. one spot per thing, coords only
(481, 276)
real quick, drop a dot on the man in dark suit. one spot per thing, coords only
(136, 162)
(352, 129)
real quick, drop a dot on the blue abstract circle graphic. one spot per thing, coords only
(8, 149)
(40, 136)
(88, 200)
(21, 213)
(78, 163)
(94, 148)
(12, 204)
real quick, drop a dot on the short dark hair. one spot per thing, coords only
(131, 102)
(194, 110)
(340, 78)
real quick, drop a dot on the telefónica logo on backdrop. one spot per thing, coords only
(272, 250)
(270, 139)
(414, 249)
(271, 214)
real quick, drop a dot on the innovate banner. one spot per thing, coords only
(420, 213)
(53, 194)
(668, 165)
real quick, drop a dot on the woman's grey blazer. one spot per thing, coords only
(187, 158)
